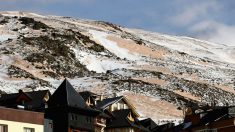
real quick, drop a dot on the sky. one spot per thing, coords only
(212, 20)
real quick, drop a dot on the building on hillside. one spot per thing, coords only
(34, 101)
(116, 103)
(220, 119)
(15, 120)
(124, 121)
(123, 115)
(91, 100)
(66, 110)
(216, 119)
(69, 111)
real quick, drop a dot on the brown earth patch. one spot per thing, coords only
(188, 95)
(164, 70)
(152, 80)
(136, 48)
(196, 78)
(226, 88)
(22, 64)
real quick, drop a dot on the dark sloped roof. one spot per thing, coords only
(106, 102)
(165, 127)
(66, 95)
(86, 94)
(120, 120)
(37, 97)
(213, 115)
(148, 123)
(209, 116)
(7, 97)
(33, 94)
(9, 100)
(37, 94)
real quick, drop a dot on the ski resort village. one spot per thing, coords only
(66, 110)
(61, 74)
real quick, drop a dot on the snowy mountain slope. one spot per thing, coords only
(38, 52)
(191, 46)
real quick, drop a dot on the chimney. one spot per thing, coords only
(115, 95)
(20, 91)
(101, 97)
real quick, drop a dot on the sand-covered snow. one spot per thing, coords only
(136, 48)
(151, 107)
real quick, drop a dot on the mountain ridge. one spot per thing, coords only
(37, 52)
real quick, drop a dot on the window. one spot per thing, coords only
(231, 111)
(51, 125)
(72, 117)
(3, 128)
(89, 119)
(28, 129)
(121, 106)
(115, 107)
(125, 106)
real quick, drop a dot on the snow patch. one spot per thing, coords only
(112, 46)
(99, 65)
(6, 37)
(191, 46)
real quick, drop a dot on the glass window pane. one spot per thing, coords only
(3, 128)
(28, 129)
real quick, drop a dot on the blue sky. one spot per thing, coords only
(212, 20)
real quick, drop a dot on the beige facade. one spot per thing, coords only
(13, 126)
(15, 120)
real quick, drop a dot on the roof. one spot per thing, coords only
(36, 99)
(66, 95)
(148, 123)
(216, 114)
(106, 102)
(86, 94)
(120, 120)
(166, 127)
(8, 96)
(33, 95)
(213, 115)
(102, 105)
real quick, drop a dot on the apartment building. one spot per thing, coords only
(16, 120)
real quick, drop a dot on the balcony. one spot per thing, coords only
(100, 121)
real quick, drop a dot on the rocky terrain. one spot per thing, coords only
(160, 74)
